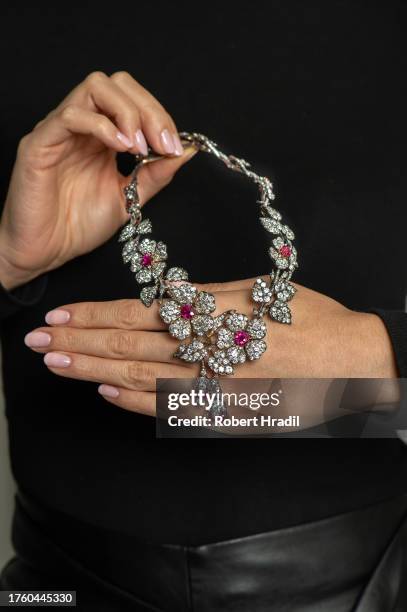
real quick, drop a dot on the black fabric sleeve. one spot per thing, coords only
(22, 297)
(396, 324)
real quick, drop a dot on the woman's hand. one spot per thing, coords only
(65, 197)
(125, 346)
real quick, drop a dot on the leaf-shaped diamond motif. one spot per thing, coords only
(176, 274)
(161, 250)
(280, 312)
(271, 225)
(272, 212)
(127, 232)
(158, 269)
(288, 232)
(192, 352)
(144, 227)
(269, 189)
(128, 250)
(184, 294)
(284, 291)
(293, 258)
(261, 292)
(147, 295)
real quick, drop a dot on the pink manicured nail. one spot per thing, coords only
(108, 391)
(37, 339)
(57, 360)
(141, 142)
(167, 142)
(179, 149)
(57, 317)
(123, 138)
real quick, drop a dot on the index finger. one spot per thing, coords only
(132, 314)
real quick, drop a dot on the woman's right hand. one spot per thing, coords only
(66, 194)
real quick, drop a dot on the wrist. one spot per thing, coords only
(12, 275)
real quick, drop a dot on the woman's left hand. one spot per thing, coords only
(125, 346)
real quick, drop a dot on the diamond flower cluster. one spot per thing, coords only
(189, 311)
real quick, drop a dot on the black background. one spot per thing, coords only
(312, 93)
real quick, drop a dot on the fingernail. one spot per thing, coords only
(57, 317)
(141, 142)
(167, 141)
(37, 339)
(179, 149)
(123, 138)
(57, 360)
(108, 391)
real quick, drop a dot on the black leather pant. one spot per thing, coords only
(354, 562)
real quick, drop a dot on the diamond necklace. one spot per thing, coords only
(218, 343)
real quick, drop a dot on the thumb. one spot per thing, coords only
(155, 175)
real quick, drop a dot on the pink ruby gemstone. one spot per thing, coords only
(241, 337)
(146, 260)
(186, 311)
(285, 251)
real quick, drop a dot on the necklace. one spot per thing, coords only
(219, 343)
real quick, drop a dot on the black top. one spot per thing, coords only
(309, 94)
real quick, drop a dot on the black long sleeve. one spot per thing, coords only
(396, 325)
(22, 297)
